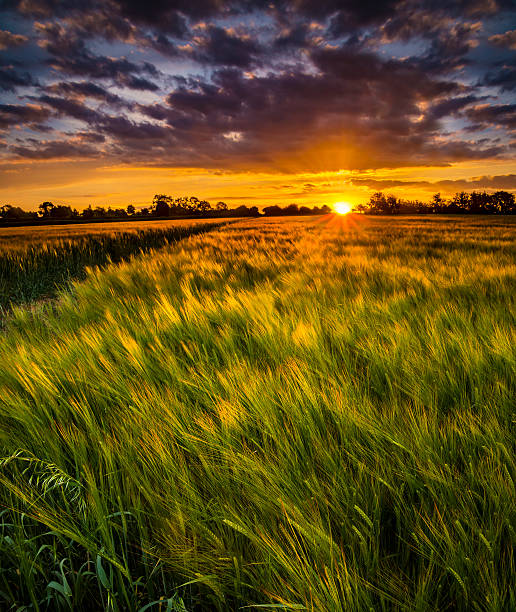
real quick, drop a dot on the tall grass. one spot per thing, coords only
(39, 270)
(277, 413)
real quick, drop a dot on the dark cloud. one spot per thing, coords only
(504, 78)
(502, 182)
(43, 8)
(374, 108)
(11, 78)
(451, 106)
(507, 39)
(500, 115)
(165, 13)
(14, 115)
(70, 56)
(89, 137)
(326, 83)
(124, 130)
(224, 47)
(84, 89)
(8, 39)
(350, 16)
(54, 150)
(70, 108)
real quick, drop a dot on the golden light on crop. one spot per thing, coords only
(342, 208)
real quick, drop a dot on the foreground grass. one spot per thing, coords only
(41, 261)
(277, 412)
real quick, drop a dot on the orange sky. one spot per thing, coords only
(275, 103)
(81, 184)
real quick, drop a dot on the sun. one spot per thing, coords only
(342, 208)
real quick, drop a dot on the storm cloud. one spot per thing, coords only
(299, 84)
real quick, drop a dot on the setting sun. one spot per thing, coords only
(342, 208)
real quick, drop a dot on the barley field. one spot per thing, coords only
(23, 238)
(35, 262)
(298, 414)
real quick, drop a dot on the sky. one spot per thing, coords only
(311, 102)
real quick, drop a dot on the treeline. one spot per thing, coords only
(474, 202)
(163, 206)
(294, 209)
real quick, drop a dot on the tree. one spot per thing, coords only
(461, 201)
(60, 212)
(479, 203)
(99, 212)
(291, 209)
(161, 205)
(384, 205)
(393, 205)
(203, 206)
(162, 209)
(221, 206)
(88, 213)
(504, 202)
(438, 202)
(362, 208)
(130, 210)
(45, 209)
(15, 213)
(272, 211)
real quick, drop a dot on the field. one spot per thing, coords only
(35, 262)
(299, 414)
(25, 237)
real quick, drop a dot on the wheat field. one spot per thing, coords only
(299, 414)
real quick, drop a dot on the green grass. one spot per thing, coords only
(275, 413)
(39, 263)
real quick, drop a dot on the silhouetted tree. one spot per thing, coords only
(221, 206)
(99, 212)
(438, 204)
(162, 209)
(272, 211)
(504, 202)
(130, 210)
(392, 205)
(291, 209)
(15, 213)
(382, 204)
(202, 206)
(88, 213)
(460, 201)
(44, 209)
(161, 205)
(60, 212)
(479, 203)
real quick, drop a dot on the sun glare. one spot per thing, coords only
(342, 208)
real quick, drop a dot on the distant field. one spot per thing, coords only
(305, 414)
(21, 238)
(36, 262)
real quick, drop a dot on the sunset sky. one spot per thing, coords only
(310, 101)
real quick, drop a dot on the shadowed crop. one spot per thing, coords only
(37, 262)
